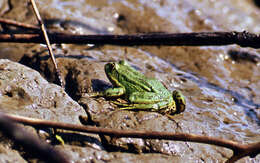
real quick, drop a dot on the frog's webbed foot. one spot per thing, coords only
(171, 117)
(145, 98)
(120, 103)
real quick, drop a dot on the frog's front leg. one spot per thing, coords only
(110, 92)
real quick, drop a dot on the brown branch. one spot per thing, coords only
(9, 22)
(243, 39)
(18, 24)
(239, 150)
(46, 38)
(250, 150)
(30, 143)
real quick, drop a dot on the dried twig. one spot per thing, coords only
(239, 150)
(26, 26)
(243, 39)
(19, 24)
(30, 143)
(47, 41)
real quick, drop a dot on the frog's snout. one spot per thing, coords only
(179, 101)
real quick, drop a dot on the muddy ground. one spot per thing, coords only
(221, 83)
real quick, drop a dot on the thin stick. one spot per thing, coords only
(243, 39)
(18, 24)
(30, 142)
(26, 26)
(239, 150)
(47, 41)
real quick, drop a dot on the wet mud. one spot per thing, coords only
(221, 83)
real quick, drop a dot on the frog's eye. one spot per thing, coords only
(115, 66)
(123, 62)
(179, 100)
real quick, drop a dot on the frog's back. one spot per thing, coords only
(158, 87)
(141, 83)
(132, 79)
(134, 84)
(135, 81)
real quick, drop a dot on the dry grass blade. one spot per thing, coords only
(36, 11)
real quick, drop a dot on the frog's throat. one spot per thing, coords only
(114, 81)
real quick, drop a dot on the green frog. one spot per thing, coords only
(141, 92)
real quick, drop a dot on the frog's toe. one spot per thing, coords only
(119, 103)
(93, 94)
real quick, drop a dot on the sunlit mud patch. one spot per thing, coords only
(212, 109)
(16, 97)
(225, 94)
(221, 84)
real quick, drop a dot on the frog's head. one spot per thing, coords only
(113, 70)
(113, 66)
(109, 67)
(179, 101)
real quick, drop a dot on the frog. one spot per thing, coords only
(140, 92)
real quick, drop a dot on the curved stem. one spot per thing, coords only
(239, 149)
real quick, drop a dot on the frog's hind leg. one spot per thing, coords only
(146, 107)
(149, 107)
(145, 98)
(119, 103)
(148, 101)
(140, 100)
